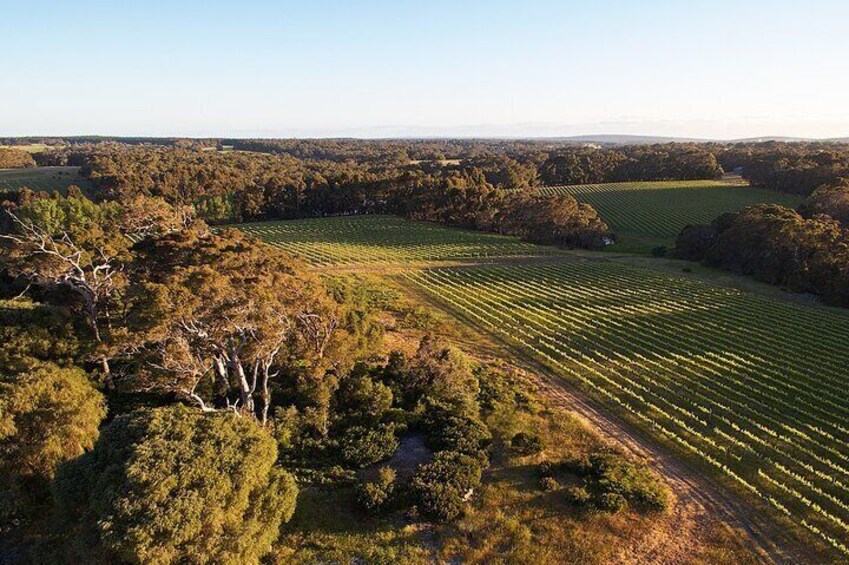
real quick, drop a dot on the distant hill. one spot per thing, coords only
(783, 139)
(623, 139)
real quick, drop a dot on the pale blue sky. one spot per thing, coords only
(716, 68)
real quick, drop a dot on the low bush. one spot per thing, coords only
(441, 488)
(362, 446)
(361, 400)
(524, 443)
(374, 496)
(548, 484)
(545, 469)
(609, 473)
(637, 483)
(578, 495)
(610, 502)
(457, 433)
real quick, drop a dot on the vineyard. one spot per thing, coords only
(385, 239)
(647, 214)
(45, 179)
(751, 386)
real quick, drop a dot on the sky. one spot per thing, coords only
(319, 68)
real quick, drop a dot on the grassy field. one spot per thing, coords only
(748, 384)
(648, 214)
(47, 179)
(385, 239)
(30, 148)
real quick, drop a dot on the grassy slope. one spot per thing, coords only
(648, 214)
(45, 179)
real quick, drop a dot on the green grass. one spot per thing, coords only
(751, 386)
(648, 214)
(385, 239)
(45, 179)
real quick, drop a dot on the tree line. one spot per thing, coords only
(805, 250)
(485, 193)
(797, 168)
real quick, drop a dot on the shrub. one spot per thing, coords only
(545, 469)
(548, 484)
(48, 415)
(442, 372)
(174, 485)
(526, 444)
(611, 502)
(286, 427)
(441, 487)
(659, 251)
(578, 495)
(420, 318)
(457, 433)
(495, 387)
(360, 399)
(373, 496)
(362, 446)
(614, 474)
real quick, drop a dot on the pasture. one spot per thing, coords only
(30, 147)
(45, 179)
(648, 214)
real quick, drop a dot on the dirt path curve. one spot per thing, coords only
(698, 498)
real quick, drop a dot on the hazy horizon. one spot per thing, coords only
(707, 70)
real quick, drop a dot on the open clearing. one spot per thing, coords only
(45, 179)
(648, 214)
(748, 386)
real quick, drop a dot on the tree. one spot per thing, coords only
(554, 220)
(30, 331)
(174, 485)
(441, 372)
(228, 307)
(85, 248)
(48, 415)
(831, 199)
(15, 159)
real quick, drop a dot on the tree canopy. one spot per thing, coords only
(175, 485)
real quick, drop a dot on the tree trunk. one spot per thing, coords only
(107, 373)
(245, 395)
(265, 395)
